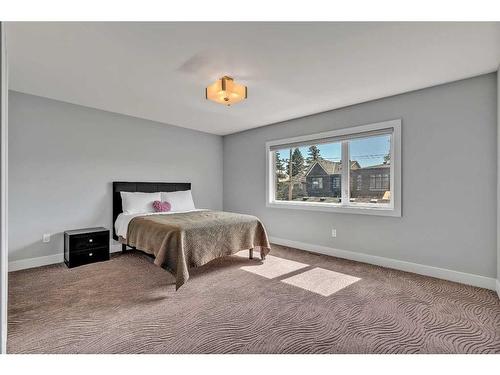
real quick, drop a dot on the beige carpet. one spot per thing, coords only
(295, 302)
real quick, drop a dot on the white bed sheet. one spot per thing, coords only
(122, 221)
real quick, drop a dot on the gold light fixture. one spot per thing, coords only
(226, 91)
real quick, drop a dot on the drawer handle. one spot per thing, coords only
(90, 254)
(91, 240)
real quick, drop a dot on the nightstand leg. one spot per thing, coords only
(250, 254)
(124, 247)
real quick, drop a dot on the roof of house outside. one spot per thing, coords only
(386, 165)
(331, 167)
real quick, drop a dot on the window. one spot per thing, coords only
(359, 182)
(317, 183)
(379, 182)
(353, 170)
(336, 181)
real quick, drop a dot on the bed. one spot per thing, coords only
(179, 241)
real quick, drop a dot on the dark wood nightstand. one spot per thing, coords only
(84, 246)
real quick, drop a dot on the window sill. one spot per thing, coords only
(337, 208)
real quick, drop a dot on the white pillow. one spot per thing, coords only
(138, 203)
(179, 200)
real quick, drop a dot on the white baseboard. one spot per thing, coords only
(440, 273)
(498, 288)
(22, 264)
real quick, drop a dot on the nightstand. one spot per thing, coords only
(84, 246)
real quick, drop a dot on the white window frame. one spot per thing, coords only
(346, 206)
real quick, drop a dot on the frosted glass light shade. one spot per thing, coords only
(226, 91)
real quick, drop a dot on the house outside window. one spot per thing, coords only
(327, 170)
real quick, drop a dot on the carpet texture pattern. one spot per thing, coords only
(128, 305)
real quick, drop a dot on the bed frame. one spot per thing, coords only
(142, 187)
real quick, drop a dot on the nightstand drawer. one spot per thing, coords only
(89, 241)
(89, 256)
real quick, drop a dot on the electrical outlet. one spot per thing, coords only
(46, 237)
(334, 232)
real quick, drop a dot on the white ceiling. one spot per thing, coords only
(158, 71)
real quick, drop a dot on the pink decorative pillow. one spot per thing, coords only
(161, 206)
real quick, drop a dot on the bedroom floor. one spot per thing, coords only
(295, 302)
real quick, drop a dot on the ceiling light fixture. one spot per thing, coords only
(226, 91)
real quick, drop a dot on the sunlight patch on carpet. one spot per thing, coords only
(273, 266)
(321, 281)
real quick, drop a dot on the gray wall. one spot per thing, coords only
(3, 258)
(498, 184)
(63, 158)
(449, 179)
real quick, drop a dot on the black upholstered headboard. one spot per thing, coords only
(143, 187)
